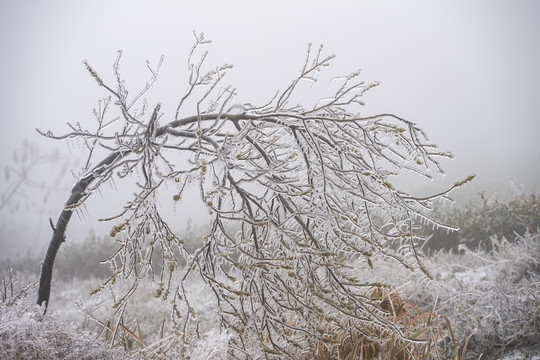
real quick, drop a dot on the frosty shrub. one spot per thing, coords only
(213, 346)
(498, 294)
(82, 260)
(296, 193)
(25, 333)
(499, 219)
(28, 263)
(480, 221)
(77, 260)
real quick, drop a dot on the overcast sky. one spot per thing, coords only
(465, 71)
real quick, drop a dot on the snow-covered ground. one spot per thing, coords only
(497, 295)
(531, 353)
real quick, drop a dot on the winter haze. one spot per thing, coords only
(466, 72)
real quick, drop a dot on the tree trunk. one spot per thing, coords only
(59, 230)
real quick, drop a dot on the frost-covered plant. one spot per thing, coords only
(498, 218)
(296, 193)
(498, 294)
(480, 221)
(77, 260)
(25, 333)
(213, 346)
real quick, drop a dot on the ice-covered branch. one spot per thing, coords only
(296, 194)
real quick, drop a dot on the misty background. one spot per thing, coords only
(465, 71)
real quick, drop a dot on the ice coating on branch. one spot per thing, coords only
(296, 195)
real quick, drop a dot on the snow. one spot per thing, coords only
(532, 353)
(26, 334)
(498, 294)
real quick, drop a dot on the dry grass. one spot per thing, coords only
(422, 334)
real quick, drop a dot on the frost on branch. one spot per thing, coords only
(296, 194)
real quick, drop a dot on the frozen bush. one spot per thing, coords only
(25, 333)
(79, 260)
(498, 294)
(213, 346)
(480, 221)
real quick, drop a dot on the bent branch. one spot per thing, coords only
(77, 195)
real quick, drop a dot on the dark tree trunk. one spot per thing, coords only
(59, 230)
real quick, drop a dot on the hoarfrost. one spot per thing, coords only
(213, 346)
(25, 333)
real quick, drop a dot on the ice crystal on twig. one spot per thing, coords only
(296, 195)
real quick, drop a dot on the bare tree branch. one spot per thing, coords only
(296, 195)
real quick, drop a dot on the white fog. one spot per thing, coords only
(464, 72)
